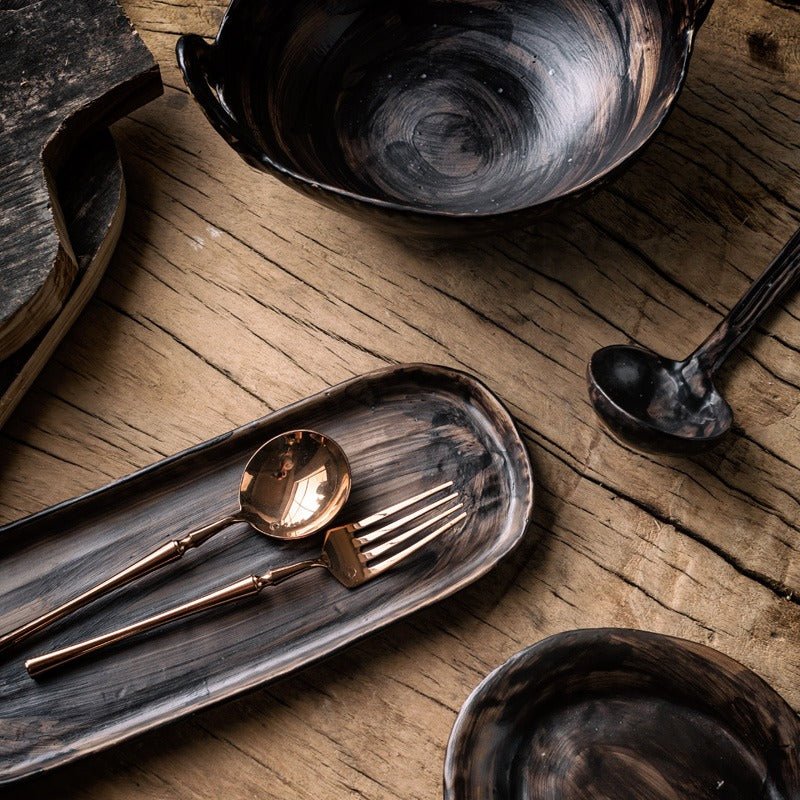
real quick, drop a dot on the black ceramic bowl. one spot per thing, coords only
(623, 714)
(442, 116)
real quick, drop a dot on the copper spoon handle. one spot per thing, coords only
(171, 551)
(764, 292)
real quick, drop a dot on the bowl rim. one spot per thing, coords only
(243, 144)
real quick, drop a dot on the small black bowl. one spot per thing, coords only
(442, 117)
(623, 714)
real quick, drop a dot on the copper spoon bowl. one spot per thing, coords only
(294, 485)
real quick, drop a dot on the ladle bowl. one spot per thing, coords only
(656, 404)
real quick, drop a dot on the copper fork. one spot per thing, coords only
(353, 554)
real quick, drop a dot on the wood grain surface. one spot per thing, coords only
(230, 296)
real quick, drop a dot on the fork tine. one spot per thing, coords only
(390, 562)
(378, 549)
(379, 515)
(391, 526)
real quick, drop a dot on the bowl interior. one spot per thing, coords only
(628, 715)
(463, 107)
(602, 746)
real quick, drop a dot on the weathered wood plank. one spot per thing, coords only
(91, 191)
(67, 67)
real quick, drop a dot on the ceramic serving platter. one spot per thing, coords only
(623, 714)
(401, 428)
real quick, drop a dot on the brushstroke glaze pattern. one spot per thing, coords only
(657, 404)
(614, 714)
(402, 428)
(442, 109)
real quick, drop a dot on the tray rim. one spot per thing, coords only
(389, 370)
(489, 400)
(459, 734)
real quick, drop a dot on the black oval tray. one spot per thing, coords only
(400, 427)
(628, 714)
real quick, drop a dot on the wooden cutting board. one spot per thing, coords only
(68, 66)
(91, 192)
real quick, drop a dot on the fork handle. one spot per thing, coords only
(245, 587)
(161, 556)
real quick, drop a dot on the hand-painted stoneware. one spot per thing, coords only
(445, 117)
(672, 406)
(612, 714)
(403, 429)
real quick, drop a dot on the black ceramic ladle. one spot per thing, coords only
(656, 404)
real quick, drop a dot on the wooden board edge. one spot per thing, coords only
(82, 292)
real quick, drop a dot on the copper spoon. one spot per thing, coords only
(653, 403)
(293, 486)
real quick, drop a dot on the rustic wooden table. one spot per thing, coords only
(230, 295)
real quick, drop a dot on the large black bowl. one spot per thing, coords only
(445, 117)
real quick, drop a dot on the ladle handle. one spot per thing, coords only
(748, 311)
(171, 551)
(245, 587)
